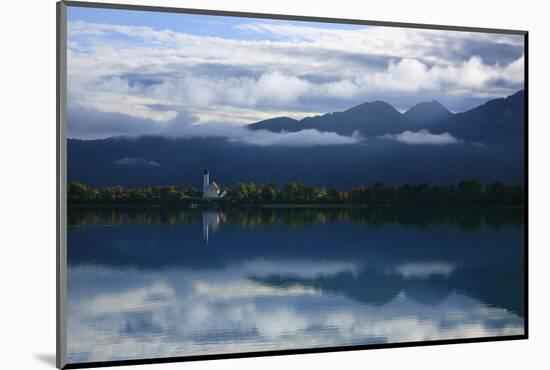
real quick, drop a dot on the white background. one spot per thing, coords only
(27, 204)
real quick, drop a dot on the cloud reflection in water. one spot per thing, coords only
(121, 313)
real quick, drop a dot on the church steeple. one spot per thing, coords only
(205, 183)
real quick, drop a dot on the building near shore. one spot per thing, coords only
(210, 190)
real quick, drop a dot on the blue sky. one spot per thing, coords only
(165, 72)
(187, 23)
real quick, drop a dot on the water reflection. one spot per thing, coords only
(288, 278)
(466, 218)
(211, 220)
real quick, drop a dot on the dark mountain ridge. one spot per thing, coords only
(428, 112)
(368, 118)
(496, 120)
(278, 124)
(489, 147)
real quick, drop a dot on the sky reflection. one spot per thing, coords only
(117, 313)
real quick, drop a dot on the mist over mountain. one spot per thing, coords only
(278, 124)
(497, 120)
(369, 119)
(485, 143)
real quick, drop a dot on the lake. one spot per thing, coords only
(155, 282)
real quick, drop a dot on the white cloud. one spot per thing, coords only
(472, 77)
(295, 268)
(422, 137)
(246, 289)
(136, 162)
(298, 139)
(406, 75)
(270, 87)
(280, 87)
(428, 45)
(134, 300)
(243, 135)
(514, 71)
(424, 270)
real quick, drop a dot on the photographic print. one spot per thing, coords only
(247, 185)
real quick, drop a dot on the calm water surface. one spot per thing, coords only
(151, 282)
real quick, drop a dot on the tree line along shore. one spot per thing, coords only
(470, 192)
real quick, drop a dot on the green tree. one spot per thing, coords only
(269, 192)
(469, 192)
(78, 192)
(240, 192)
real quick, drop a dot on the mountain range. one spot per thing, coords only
(496, 120)
(425, 144)
(370, 119)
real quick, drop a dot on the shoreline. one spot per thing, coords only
(317, 205)
(280, 205)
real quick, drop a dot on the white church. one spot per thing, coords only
(210, 190)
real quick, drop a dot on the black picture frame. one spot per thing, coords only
(61, 166)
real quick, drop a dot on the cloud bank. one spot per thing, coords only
(424, 270)
(243, 135)
(301, 138)
(86, 123)
(422, 137)
(136, 162)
